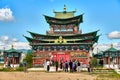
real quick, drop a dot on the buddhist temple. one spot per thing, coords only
(110, 57)
(64, 41)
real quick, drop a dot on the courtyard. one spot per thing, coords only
(45, 76)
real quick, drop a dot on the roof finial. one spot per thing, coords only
(12, 45)
(111, 45)
(64, 7)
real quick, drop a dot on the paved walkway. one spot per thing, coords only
(52, 69)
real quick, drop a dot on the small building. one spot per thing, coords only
(110, 57)
(12, 57)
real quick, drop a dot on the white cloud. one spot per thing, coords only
(114, 35)
(4, 39)
(103, 47)
(6, 14)
(21, 45)
(6, 42)
(14, 40)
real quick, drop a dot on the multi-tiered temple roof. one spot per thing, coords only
(64, 30)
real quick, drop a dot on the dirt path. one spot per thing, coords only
(45, 76)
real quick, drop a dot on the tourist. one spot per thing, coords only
(118, 66)
(71, 66)
(45, 65)
(63, 66)
(78, 67)
(61, 63)
(25, 66)
(48, 65)
(74, 66)
(56, 64)
(66, 66)
(89, 67)
(8, 65)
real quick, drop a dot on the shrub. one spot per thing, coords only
(19, 69)
(6, 69)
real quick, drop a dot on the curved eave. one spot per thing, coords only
(72, 35)
(12, 50)
(48, 17)
(64, 23)
(92, 40)
(111, 50)
(59, 21)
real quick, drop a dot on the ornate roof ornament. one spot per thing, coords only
(12, 46)
(64, 8)
(111, 45)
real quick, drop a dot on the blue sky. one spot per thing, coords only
(23, 15)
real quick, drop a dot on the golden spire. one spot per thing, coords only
(64, 7)
(12, 45)
(111, 45)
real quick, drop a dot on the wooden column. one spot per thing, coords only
(103, 61)
(109, 62)
(13, 61)
(117, 60)
(33, 62)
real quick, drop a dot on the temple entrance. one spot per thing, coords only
(60, 57)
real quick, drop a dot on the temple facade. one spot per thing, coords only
(64, 41)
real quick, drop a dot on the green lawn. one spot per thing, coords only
(106, 75)
(1, 64)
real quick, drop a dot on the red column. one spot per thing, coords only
(13, 61)
(33, 61)
(103, 61)
(109, 62)
(116, 60)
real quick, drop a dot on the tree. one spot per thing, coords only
(94, 62)
(28, 58)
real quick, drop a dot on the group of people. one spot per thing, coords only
(72, 66)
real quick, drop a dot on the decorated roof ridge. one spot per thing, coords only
(111, 49)
(30, 39)
(60, 43)
(63, 35)
(63, 18)
(63, 38)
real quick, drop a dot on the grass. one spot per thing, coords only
(1, 64)
(109, 75)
